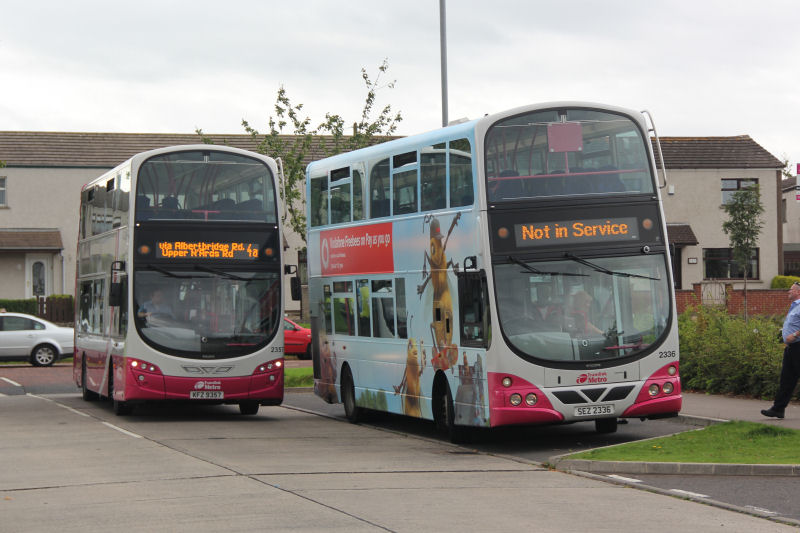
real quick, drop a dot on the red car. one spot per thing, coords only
(296, 339)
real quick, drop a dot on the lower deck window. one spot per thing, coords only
(718, 263)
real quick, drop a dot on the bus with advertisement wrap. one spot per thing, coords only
(179, 281)
(510, 270)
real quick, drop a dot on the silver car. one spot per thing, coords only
(30, 338)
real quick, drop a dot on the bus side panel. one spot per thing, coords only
(395, 366)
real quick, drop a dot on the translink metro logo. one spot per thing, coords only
(592, 377)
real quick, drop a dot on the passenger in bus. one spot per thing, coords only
(155, 306)
(363, 314)
(578, 314)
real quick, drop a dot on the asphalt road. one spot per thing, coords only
(767, 496)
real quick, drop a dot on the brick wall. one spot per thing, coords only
(759, 301)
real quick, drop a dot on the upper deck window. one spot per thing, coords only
(205, 185)
(566, 153)
(732, 186)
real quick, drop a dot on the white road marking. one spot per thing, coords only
(12, 382)
(760, 510)
(687, 493)
(126, 432)
(626, 479)
(70, 409)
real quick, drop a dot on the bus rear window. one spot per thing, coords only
(566, 153)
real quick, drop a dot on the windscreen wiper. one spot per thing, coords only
(534, 270)
(229, 275)
(167, 272)
(604, 270)
(220, 273)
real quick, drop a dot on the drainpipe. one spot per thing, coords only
(63, 274)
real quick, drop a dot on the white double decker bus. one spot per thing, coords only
(507, 270)
(179, 280)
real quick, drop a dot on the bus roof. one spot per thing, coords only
(464, 129)
(456, 131)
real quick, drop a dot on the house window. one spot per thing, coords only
(730, 186)
(718, 263)
(783, 211)
(2, 191)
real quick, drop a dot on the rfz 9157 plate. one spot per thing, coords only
(206, 395)
(595, 410)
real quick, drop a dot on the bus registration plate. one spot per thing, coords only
(594, 410)
(206, 395)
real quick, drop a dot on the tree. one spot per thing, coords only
(743, 227)
(292, 139)
(786, 171)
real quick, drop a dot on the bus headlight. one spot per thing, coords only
(515, 399)
(672, 370)
(506, 382)
(667, 388)
(531, 399)
(654, 389)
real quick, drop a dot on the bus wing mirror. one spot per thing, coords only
(295, 286)
(115, 294)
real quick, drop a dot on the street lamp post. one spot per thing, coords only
(443, 46)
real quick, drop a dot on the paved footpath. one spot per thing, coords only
(720, 407)
(69, 465)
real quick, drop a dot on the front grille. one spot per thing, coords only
(618, 393)
(569, 397)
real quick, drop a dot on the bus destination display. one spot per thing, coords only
(207, 250)
(576, 231)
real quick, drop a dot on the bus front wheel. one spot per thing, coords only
(248, 408)
(348, 392)
(444, 415)
(86, 394)
(605, 425)
(120, 408)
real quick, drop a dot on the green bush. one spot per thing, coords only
(723, 354)
(783, 282)
(19, 306)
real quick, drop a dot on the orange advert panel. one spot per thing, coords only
(359, 250)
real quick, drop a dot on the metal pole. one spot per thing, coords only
(443, 46)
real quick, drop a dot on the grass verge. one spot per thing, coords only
(730, 442)
(298, 377)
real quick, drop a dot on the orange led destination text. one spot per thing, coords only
(208, 250)
(573, 230)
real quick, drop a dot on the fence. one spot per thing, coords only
(759, 301)
(60, 309)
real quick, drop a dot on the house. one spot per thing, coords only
(40, 197)
(702, 175)
(790, 213)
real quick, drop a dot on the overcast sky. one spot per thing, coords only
(701, 67)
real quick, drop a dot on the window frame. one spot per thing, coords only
(755, 263)
(3, 191)
(741, 184)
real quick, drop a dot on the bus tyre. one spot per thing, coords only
(445, 417)
(248, 408)
(120, 408)
(605, 425)
(348, 391)
(86, 394)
